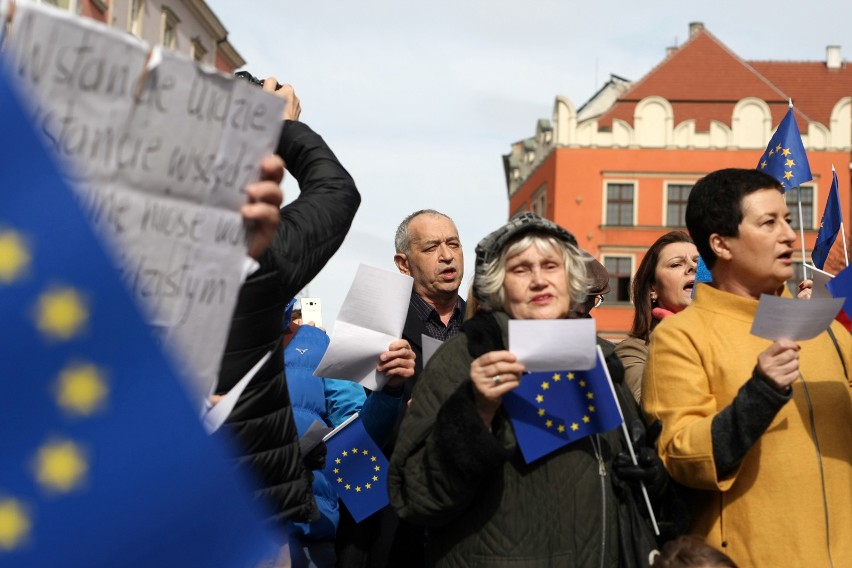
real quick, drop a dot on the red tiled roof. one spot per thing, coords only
(814, 88)
(703, 80)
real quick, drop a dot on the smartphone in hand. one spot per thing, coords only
(312, 311)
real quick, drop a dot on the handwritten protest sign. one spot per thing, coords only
(160, 151)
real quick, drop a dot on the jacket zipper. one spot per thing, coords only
(602, 474)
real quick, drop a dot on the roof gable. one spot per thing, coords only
(703, 80)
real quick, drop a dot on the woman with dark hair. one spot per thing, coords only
(661, 287)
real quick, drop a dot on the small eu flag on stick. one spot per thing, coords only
(551, 409)
(785, 158)
(357, 468)
(830, 225)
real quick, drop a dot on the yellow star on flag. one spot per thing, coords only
(340, 480)
(586, 419)
(336, 460)
(788, 175)
(541, 412)
(582, 383)
(545, 385)
(14, 524)
(61, 313)
(570, 376)
(791, 162)
(373, 458)
(345, 453)
(364, 452)
(590, 395)
(549, 423)
(354, 450)
(61, 466)
(336, 470)
(556, 377)
(81, 390)
(368, 485)
(561, 428)
(14, 256)
(575, 426)
(778, 149)
(375, 478)
(539, 399)
(358, 489)
(347, 487)
(591, 408)
(763, 164)
(786, 151)
(771, 152)
(378, 468)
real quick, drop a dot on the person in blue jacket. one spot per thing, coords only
(330, 402)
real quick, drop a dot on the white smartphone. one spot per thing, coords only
(312, 311)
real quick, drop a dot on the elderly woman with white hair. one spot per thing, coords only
(457, 468)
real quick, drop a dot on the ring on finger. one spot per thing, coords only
(496, 380)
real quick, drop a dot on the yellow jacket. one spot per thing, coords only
(770, 511)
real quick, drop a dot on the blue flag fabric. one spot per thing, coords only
(841, 287)
(357, 469)
(103, 460)
(832, 217)
(551, 409)
(785, 158)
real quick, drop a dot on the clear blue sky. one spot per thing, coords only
(419, 100)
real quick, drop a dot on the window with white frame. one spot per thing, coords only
(620, 268)
(198, 50)
(619, 204)
(792, 198)
(677, 195)
(135, 17)
(169, 30)
(538, 202)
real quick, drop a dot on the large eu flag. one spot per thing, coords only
(357, 468)
(550, 410)
(832, 217)
(785, 158)
(103, 461)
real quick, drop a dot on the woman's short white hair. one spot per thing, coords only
(490, 281)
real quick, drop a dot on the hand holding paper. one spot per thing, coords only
(370, 320)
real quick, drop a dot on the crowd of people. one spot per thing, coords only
(743, 445)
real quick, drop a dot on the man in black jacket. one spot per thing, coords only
(429, 250)
(308, 233)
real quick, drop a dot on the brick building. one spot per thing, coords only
(618, 170)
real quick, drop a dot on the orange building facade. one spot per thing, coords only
(618, 171)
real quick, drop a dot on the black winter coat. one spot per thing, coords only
(482, 504)
(312, 229)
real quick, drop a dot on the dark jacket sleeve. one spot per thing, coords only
(313, 226)
(738, 426)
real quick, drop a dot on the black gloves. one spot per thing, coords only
(315, 459)
(650, 468)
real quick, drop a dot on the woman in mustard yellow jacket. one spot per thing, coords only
(761, 431)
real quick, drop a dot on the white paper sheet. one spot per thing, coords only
(371, 318)
(160, 157)
(788, 318)
(430, 345)
(547, 345)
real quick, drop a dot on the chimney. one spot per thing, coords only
(670, 50)
(695, 28)
(832, 57)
